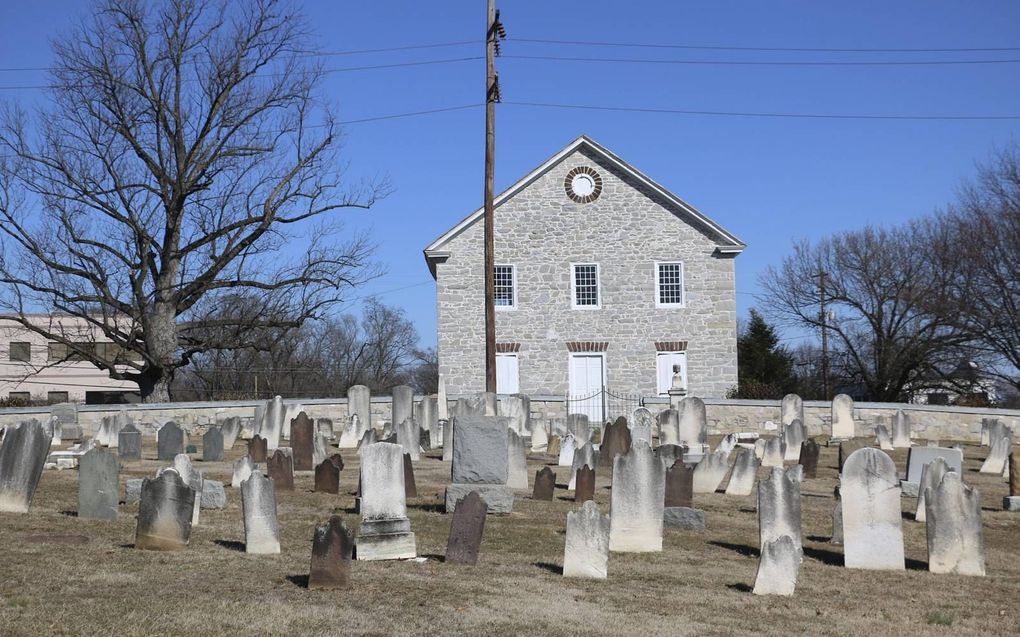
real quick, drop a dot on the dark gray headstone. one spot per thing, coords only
(545, 484)
(98, 488)
(679, 488)
(164, 513)
(615, 441)
(212, 445)
(479, 452)
(302, 432)
(584, 484)
(258, 449)
(281, 470)
(466, 530)
(22, 457)
(684, 518)
(809, 458)
(327, 477)
(410, 487)
(169, 441)
(332, 550)
(129, 443)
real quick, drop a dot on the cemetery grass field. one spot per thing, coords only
(61, 575)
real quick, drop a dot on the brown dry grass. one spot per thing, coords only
(699, 584)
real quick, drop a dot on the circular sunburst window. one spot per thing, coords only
(583, 184)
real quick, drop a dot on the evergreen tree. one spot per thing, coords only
(765, 368)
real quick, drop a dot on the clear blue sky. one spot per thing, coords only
(768, 180)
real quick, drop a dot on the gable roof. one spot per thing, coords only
(728, 243)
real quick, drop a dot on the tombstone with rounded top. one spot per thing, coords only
(169, 441)
(586, 552)
(243, 467)
(637, 501)
(678, 485)
(129, 443)
(385, 531)
(212, 445)
(901, 430)
(779, 508)
(568, 447)
(669, 427)
(539, 435)
(584, 456)
(808, 459)
(791, 408)
(641, 423)
(584, 484)
(615, 441)
(302, 442)
(692, 422)
(258, 509)
(258, 449)
(332, 549)
(402, 405)
(280, 468)
(842, 417)
(327, 477)
(545, 484)
(164, 513)
(272, 423)
(955, 541)
(872, 523)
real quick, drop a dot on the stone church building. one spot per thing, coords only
(604, 279)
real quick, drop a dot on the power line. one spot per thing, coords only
(557, 58)
(673, 111)
(768, 49)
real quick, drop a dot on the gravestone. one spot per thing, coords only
(243, 467)
(193, 478)
(385, 532)
(883, 438)
(539, 436)
(669, 427)
(410, 487)
(773, 452)
(709, 473)
(272, 423)
(678, 485)
(480, 463)
(370, 438)
(466, 530)
(442, 401)
(66, 413)
(545, 484)
(728, 443)
(796, 473)
(169, 441)
(580, 427)
(692, 423)
(792, 408)
(320, 448)
(917, 457)
(837, 519)
(332, 549)
(759, 448)
(586, 552)
(448, 426)
(402, 405)
(302, 442)
(553, 448)
(568, 446)
(584, 456)
(996, 430)
(794, 434)
(955, 540)
(848, 447)
(778, 567)
(517, 461)
(256, 422)
(258, 509)
(214, 496)
(584, 484)
(408, 438)
(931, 477)
(54, 428)
(745, 473)
(491, 401)
(517, 408)
(359, 419)
(129, 443)
(98, 488)
(164, 513)
(212, 445)
(22, 457)
(258, 449)
(637, 501)
(1011, 502)
(779, 509)
(109, 427)
(641, 424)
(872, 525)
(615, 441)
(470, 406)
(668, 454)
(280, 468)
(324, 427)
(809, 458)
(231, 429)
(997, 455)
(327, 477)
(842, 417)
(901, 430)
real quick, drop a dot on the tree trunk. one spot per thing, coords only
(154, 386)
(161, 341)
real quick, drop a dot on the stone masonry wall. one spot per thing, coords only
(541, 231)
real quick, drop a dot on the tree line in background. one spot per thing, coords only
(927, 308)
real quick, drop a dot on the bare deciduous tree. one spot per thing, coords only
(182, 159)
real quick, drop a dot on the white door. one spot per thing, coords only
(664, 370)
(508, 379)
(587, 377)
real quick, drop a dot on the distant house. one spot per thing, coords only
(603, 280)
(33, 369)
(966, 384)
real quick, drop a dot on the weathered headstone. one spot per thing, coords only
(480, 463)
(901, 430)
(359, 419)
(580, 427)
(545, 484)
(258, 507)
(883, 438)
(1011, 502)
(710, 472)
(998, 454)
(193, 478)
(615, 441)
(553, 448)
(517, 461)
(955, 540)
(692, 422)
(466, 530)
(517, 408)
(872, 524)
(332, 550)
(280, 467)
(129, 443)
(792, 408)
(54, 428)
(539, 436)
(778, 567)
(66, 413)
(918, 457)
(669, 454)
(773, 452)
(302, 442)
(678, 485)
(931, 477)
(584, 456)
(846, 448)
(169, 441)
(385, 531)
(243, 467)
(320, 448)
(410, 486)
(448, 426)
(842, 417)
(745, 473)
(98, 488)
(470, 406)
(636, 501)
(584, 484)
(214, 496)
(642, 422)
(837, 519)
(402, 405)
(794, 435)
(568, 446)
(586, 553)
(809, 451)
(272, 423)
(327, 477)
(109, 427)
(22, 457)
(212, 445)
(669, 427)
(408, 438)
(779, 509)
(164, 513)
(425, 414)
(231, 429)
(370, 438)
(258, 449)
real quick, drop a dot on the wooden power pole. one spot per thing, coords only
(825, 336)
(493, 33)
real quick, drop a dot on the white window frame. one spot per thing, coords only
(683, 370)
(683, 284)
(517, 363)
(513, 284)
(570, 373)
(573, 286)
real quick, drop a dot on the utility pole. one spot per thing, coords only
(825, 335)
(493, 33)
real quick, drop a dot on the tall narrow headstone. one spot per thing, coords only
(883, 438)
(22, 457)
(539, 436)
(302, 433)
(568, 446)
(280, 468)
(779, 508)
(584, 456)
(586, 553)
(480, 463)
(193, 478)
(517, 408)
(98, 487)
(955, 540)
(169, 441)
(809, 458)
(466, 530)
(410, 486)
(545, 484)
(745, 473)
(408, 438)
(320, 448)
(580, 427)
(258, 450)
(243, 467)
(584, 484)
(258, 508)
(642, 422)
(842, 417)
(679, 485)
(332, 549)
(710, 472)
(402, 406)
(901, 430)
(669, 427)
(995, 462)
(931, 477)
(164, 513)
(517, 461)
(272, 423)
(359, 404)
(212, 445)
(442, 402)
(385, 531)
(129, 443)
(231, 429)
(615, 441)
(636, 501)
(872, 524)
(693, 422)
(448, 426)
(792, 408)
(794, 435)
(778, 567)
